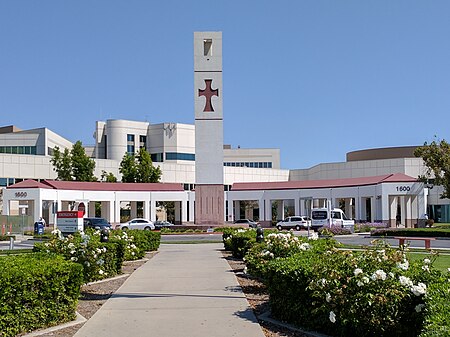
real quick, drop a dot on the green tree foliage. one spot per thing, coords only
(139, 168)
(128, 168)
(82, 166)
(436, 157)
(146, 172)
(62, 164)
(73, 165)
(108, 177)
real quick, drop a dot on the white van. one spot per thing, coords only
(320, 218)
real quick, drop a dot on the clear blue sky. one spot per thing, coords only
(316, 79)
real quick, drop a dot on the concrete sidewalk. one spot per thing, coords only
(185, 290)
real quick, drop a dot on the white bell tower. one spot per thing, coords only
(209, 191)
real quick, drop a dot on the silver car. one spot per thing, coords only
(138, 223)
(294, 222)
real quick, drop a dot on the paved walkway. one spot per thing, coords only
(184, 290)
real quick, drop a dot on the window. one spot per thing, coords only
(180, 156)
(142, 142)
(130, 138)
(130, 149)
(207, 47)
(157, 157)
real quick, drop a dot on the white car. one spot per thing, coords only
(138, 223)
(297, 222)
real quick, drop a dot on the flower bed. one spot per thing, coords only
(418, 232)
(376, 292)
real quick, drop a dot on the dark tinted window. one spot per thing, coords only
(320, 215)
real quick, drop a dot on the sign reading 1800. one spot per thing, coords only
(403, 188)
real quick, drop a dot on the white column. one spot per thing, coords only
(373, 208)
(146, 209)
(116, 209)
(393, 210)
(261, 210)
(230, 210)
(408, 214)
(297, 209)
(184, 211)
(268, 210)
(152, 210)
(358, 209)
(237, 209)
(403, 210)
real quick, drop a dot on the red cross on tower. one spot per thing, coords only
(208, 92)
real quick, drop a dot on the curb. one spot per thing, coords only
(266, 318)
(78, 320)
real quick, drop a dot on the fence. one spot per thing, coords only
(16, 224)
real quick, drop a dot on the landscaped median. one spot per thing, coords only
(374, 292)
(42, 289)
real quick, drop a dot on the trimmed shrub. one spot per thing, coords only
(333, 230)
(137, 242)
(372, 293)
(414, 232)
(38, 290)
(241, 241)
(7, 237)
(368, 226)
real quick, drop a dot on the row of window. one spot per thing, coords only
(159, 157)
(18, 149)
(9, 181)
(249, 164)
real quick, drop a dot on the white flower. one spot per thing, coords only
(313, 236)
(132, 253)
(379, 275)
(323, 281)
(360, 283)
(405, 281)
(87, 263)
(419, 289)
(305, 246)
(419, 307)
(100, 262)
(358, 271)
(332, 317)
(73, 251)
(71, 245)
(404, 265)
(426, 268)
(365, 279)
(328, 297)
(391, 274)
(101, 272)
(73, 258)
(426, 261)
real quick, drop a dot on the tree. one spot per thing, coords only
(436, 157)
(74, 164)
(108, 177)
(62, 164)
(128, 168)
(146, 172)
(82, 166)
(139, 168)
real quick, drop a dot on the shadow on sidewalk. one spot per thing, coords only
(142, 295)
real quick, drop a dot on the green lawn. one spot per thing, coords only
(442, 262)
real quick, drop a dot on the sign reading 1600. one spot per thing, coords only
(403, 188)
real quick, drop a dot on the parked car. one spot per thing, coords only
(162, 224)
(138, 223)
(297, 222)
(250, 223)
(96, 223)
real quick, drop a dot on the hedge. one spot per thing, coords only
(7, 237)
(372, 293)
(37, 290)
(414, 232)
